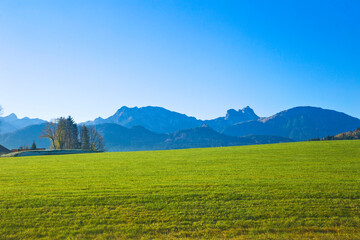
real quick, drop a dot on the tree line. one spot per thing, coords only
(63, 133)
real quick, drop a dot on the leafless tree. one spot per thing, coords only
(96, 139)
(62, 133)
(49, 132)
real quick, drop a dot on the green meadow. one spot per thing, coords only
(306, 190)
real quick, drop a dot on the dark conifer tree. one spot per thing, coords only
(33, 146)
(72, 134)
(84, 136)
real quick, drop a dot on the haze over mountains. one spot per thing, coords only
(119, 138)
(161, 120)
(12, 123)
(150, 128)
(299, 123)
(25, 137)
(155, 119)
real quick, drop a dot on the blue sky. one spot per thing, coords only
(89, 58)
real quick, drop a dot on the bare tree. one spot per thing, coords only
(96, 139)
(55, 132)
(49, 132)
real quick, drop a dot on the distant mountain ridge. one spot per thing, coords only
(118, 138)
(12, 123)
(138, 138)
(299, 123)
(156, 119)
(232, 117)
(24, 137)
(205, 136)
(150, 128)
(161, 120)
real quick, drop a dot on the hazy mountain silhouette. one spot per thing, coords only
(299, 123)
(232, 117)
(118, 138)
(4, 150)
(153, 128)
(12, 123)
(161, 120)
(205, 136)
(156, 119)
(24, 137)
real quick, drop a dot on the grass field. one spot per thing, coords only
(280, 191)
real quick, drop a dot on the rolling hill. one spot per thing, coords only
(207, 137)
(118, 138)
(24, 137)
(137, 138)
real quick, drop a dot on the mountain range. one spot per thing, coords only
(118, 138)
(299, 123)
(136, 138)
(152, 128)
(12, 123)
(24, 137)
(161, 120)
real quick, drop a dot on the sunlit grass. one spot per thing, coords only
(295, 190)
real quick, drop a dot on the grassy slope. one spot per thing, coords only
(293, 190)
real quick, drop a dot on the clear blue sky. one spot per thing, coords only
(89, 58)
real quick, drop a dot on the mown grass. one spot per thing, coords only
(282, 191)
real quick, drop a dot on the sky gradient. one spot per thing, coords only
(89, 58)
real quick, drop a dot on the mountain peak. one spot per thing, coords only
(162, 120)
(231, 111)
(248, 110)
(241, 115)
(12, 123)
(11, 117)
(298, 123)
(122, 109)
(156, 119)
(99, 119)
